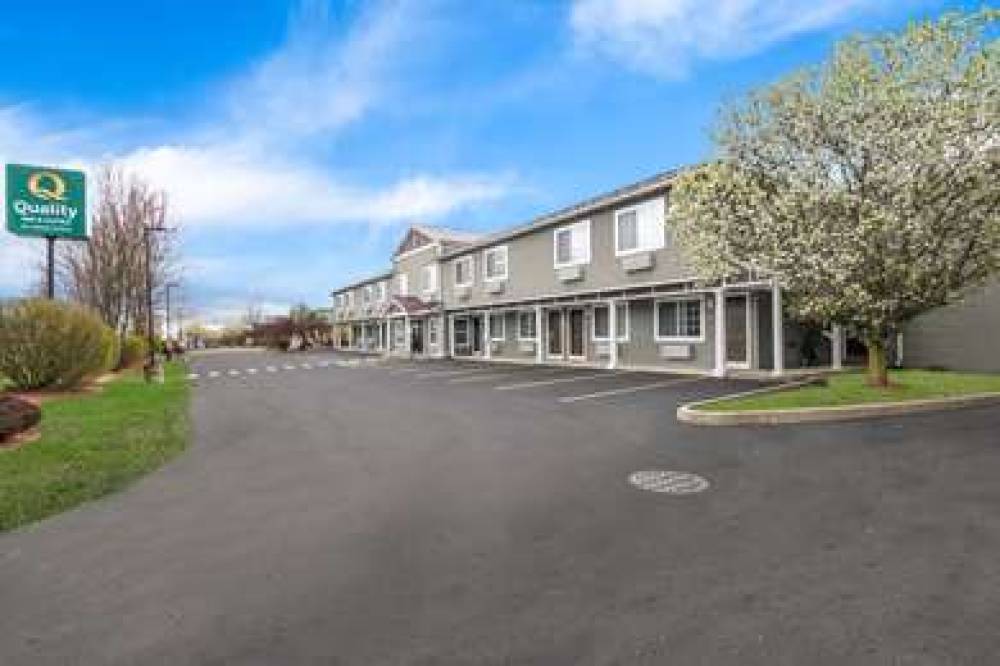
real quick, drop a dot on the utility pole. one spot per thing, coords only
(150, 339)
(50, 268)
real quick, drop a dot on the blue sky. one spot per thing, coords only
(297, 139)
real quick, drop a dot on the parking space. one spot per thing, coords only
(543, 385)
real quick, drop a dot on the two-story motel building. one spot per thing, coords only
(599, 283)
(603, 283)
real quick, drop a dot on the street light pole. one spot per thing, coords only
(150, 340)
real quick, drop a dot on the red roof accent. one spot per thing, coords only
(410, 304)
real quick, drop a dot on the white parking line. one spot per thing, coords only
(479, 378)
(546, 382)
(271, 368)
(251, 371)
(193, 375)
(306, 366)
(234, 373)
(447, 373)
(324, 364)
(289, 367)
(214, 373)
(629, 389)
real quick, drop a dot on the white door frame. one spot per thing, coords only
(567, 319)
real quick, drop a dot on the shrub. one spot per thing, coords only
(52, 344)
(17, 415)
(133, 351)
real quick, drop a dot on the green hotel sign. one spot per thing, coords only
(43, 201)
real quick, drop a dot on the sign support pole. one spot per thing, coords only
(50, 268)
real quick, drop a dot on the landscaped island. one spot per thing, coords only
(851, 388)
(92, 444)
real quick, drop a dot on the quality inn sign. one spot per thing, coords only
(43, 201)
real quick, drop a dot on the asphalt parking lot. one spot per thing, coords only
(343, 511)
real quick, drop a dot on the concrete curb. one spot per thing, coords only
(689, 413)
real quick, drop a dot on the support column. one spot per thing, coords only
(778, 330)
(720, 333)
(612, 334)
(451, 335)
(837, 347)
(407, 337)
(539, 344)
(488, 342)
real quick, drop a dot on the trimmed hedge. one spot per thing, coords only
(54, 344)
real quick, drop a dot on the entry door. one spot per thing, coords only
(477, 335)
(576, 334)
(417, 337)
(738, 331)
(555, 332)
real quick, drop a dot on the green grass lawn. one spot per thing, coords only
(94, 444)
(852, 389)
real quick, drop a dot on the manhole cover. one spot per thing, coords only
(674, 483)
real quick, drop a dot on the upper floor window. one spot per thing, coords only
(381, 291)
(404, 284)
(680, 320)
(495, 264)
(463, 272)
(602, 322)
(640, 228)
(367, 294)
(571, 244)
(429, 279)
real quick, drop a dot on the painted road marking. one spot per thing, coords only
(214, 373)
(306, 366)
(271, 368)
(479, 378)
(664, 481)
(324, 364)
(546, 382)
(447, 373)
(234, 373)
(251, 371)
(193, 375)
(289, 367)
(628, 389)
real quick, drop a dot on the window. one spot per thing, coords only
(571, 245)
(526, 325)
(429, 278)
(680, 320)
(601, 322)
(640, 228)
(498, 332)
(366, 295)
(495, 264)
(432, 331)
(381, 291)
(463, 272)
(404, 284)
(461, 332)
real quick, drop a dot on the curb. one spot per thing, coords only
(689, 413)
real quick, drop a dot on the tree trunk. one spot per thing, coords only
(878, 365)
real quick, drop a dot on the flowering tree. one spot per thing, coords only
(869, 186)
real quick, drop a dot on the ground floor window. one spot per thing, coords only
(432, 331)
(399, 333)
(498, 330)
(526, 325)
(601, 322)
(680, 320)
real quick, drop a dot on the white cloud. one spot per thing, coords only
(666, 37)
(227, 186)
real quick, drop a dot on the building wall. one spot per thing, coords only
(531, 271)
(962, 336)
(412, 266)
